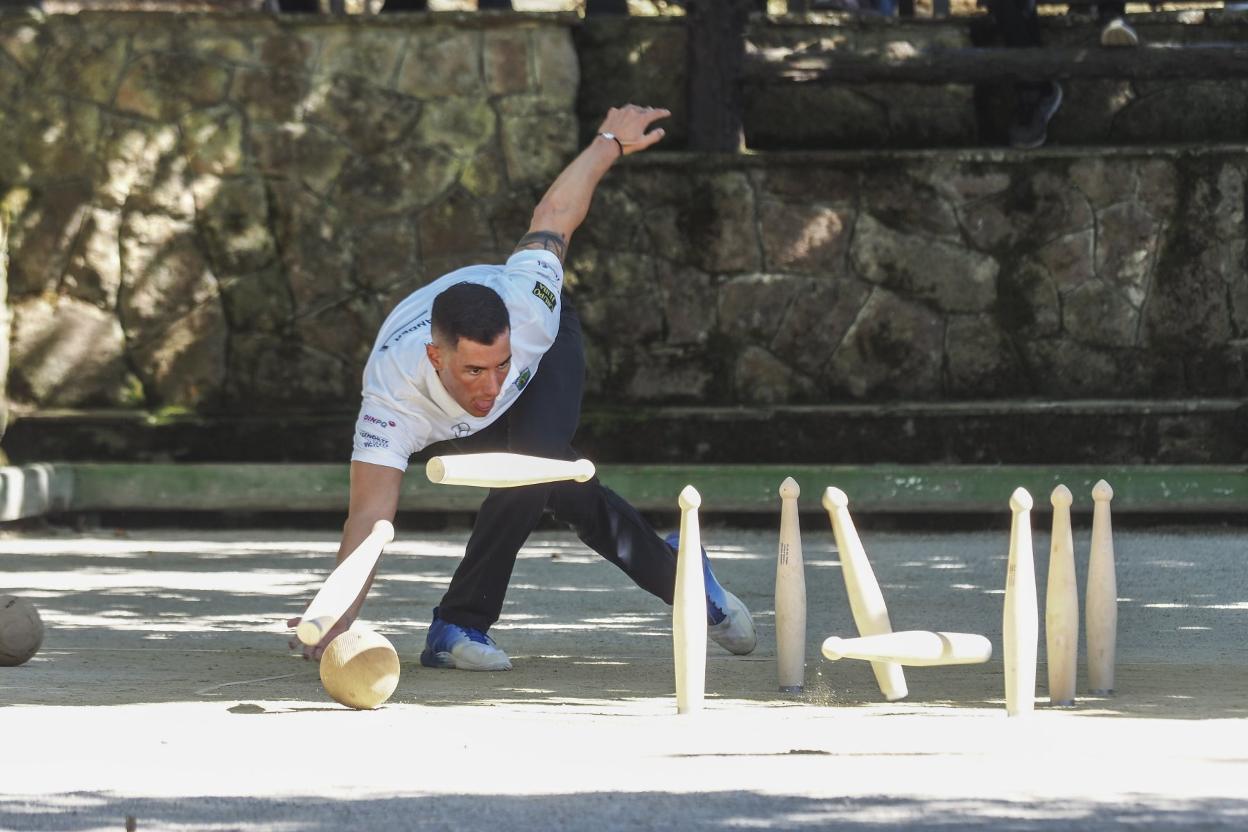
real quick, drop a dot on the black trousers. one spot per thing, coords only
(1016, 21)
(542, 422)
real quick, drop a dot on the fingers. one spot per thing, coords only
(310, 652)
(645, 116)
(631, 124)
(647, 139)
(653, 114)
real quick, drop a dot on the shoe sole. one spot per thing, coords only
(1118, 39)
(446, 661)
(1049, 112)
(1119, 36)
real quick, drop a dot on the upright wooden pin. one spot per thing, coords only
(1102, 595)
(790, 594)
(1021, 619)
(865, 599)
(1061, 605)
(689, 608)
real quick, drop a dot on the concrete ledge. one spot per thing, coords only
(34, 490)
(731, 489)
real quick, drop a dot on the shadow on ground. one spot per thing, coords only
(81, 811)
(185, 616)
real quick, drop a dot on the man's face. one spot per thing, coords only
(473, 373)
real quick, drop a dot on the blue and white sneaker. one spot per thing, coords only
(464, 648)
(728, 620)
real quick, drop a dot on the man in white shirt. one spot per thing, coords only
(491, 358)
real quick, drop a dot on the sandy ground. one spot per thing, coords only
(165, 692)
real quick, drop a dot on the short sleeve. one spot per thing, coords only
(386, 436)
(539, 274)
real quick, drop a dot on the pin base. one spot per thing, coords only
(792, 688)
(1061, 703)
(1102, 691)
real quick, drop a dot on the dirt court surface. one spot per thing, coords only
(165, 692)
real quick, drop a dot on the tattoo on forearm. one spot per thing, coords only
(544, 240)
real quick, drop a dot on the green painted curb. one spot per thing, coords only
(733, 489)
(938, 488)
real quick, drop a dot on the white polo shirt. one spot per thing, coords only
(405, 407)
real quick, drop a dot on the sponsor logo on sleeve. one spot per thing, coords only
(543, 293)
(372, 440)
(381, 423)
(415, 326)
(554, 274)
(523, 378)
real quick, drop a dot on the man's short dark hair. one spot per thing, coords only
(469, 310)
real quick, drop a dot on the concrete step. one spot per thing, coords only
(1019, 432)
(77, 488)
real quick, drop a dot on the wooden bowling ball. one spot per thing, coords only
(21, 630)
(360, 669)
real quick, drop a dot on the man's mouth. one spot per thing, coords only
(482, 406)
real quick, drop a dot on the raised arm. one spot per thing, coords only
(563, 208)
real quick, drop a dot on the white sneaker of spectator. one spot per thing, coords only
(1118, 32)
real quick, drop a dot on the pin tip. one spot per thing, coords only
(1061, 497)
(1021, 500)
(689, 498)
(834, 497)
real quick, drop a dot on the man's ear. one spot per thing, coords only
(435, 355)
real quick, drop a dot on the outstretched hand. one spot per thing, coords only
(313, 651)
(630, 124)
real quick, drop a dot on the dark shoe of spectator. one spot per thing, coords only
(1118, 32)
(1035, 110)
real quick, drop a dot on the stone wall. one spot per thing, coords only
(216, 212)
(4, 318)
(920, 276)
(220, 210)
